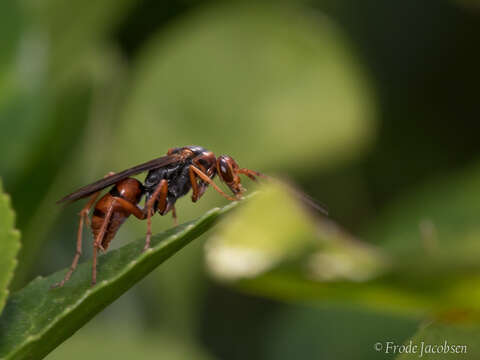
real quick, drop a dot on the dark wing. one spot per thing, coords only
(110, 180)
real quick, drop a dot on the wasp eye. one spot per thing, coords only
(225, 168)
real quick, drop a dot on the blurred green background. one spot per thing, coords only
(370, 107)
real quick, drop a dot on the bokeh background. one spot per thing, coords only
(370, 107)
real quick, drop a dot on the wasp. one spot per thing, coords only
(169, 178)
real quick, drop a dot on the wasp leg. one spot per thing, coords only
(174, 215)
(131, 208)
(97, 244)
(195, 171)
(195, 189)
(198, 189)
(82, 221)
(160, 194)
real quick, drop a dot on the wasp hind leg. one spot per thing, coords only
(84, 220)
(97, 244)
(174, 216)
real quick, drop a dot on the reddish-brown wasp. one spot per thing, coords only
(169, 178)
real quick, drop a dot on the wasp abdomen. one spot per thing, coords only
(128, 189)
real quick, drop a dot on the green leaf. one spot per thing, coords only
(440, 341)
(37, 319)
(9, 246)
(272, 247)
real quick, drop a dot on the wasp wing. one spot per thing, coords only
(299, 194)
(302, 197)
(309, 201)
(113, 179)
